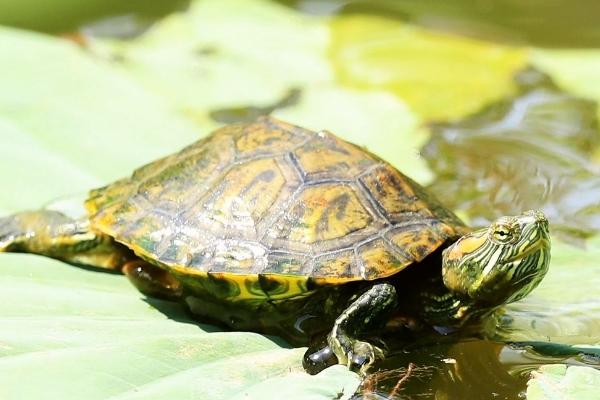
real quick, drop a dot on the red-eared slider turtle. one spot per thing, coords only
(273, 228)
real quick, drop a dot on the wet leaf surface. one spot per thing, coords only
(564, 308)
(467, 369)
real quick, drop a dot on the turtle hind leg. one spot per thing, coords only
(53, 234)
(152, 281)
(367, 313)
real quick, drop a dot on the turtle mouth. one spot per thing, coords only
(540, 244)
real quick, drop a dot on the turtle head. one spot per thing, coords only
(499, 264)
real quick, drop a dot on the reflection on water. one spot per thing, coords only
(471, 369)
(528, 152)
(534, 319)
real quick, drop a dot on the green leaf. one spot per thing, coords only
(73, 120)
(560, 382)
(211, 58)
(69, 333)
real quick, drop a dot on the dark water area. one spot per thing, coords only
(468, 369)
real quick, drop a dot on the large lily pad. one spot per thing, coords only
(69, 333)
(73, 121)
(210, 58)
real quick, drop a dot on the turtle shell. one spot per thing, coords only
(272, 199)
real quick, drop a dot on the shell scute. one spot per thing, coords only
(265, 137)
(337, 265)
(327, 157)
(417, 239)
(324, 212)
(238, 257)
(244, 194)
(286, 264)
(395, 194)
(379, 260)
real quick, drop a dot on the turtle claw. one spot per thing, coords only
(363, 356)
(317, 358)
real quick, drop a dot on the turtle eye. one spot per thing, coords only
(502, 233)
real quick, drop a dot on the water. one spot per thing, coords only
(532, 150)
(469, 369)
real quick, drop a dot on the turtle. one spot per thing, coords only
(272, 228)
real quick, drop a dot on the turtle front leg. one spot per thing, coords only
(53, 234)
(367, 313)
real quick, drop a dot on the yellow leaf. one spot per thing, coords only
(440, 76)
